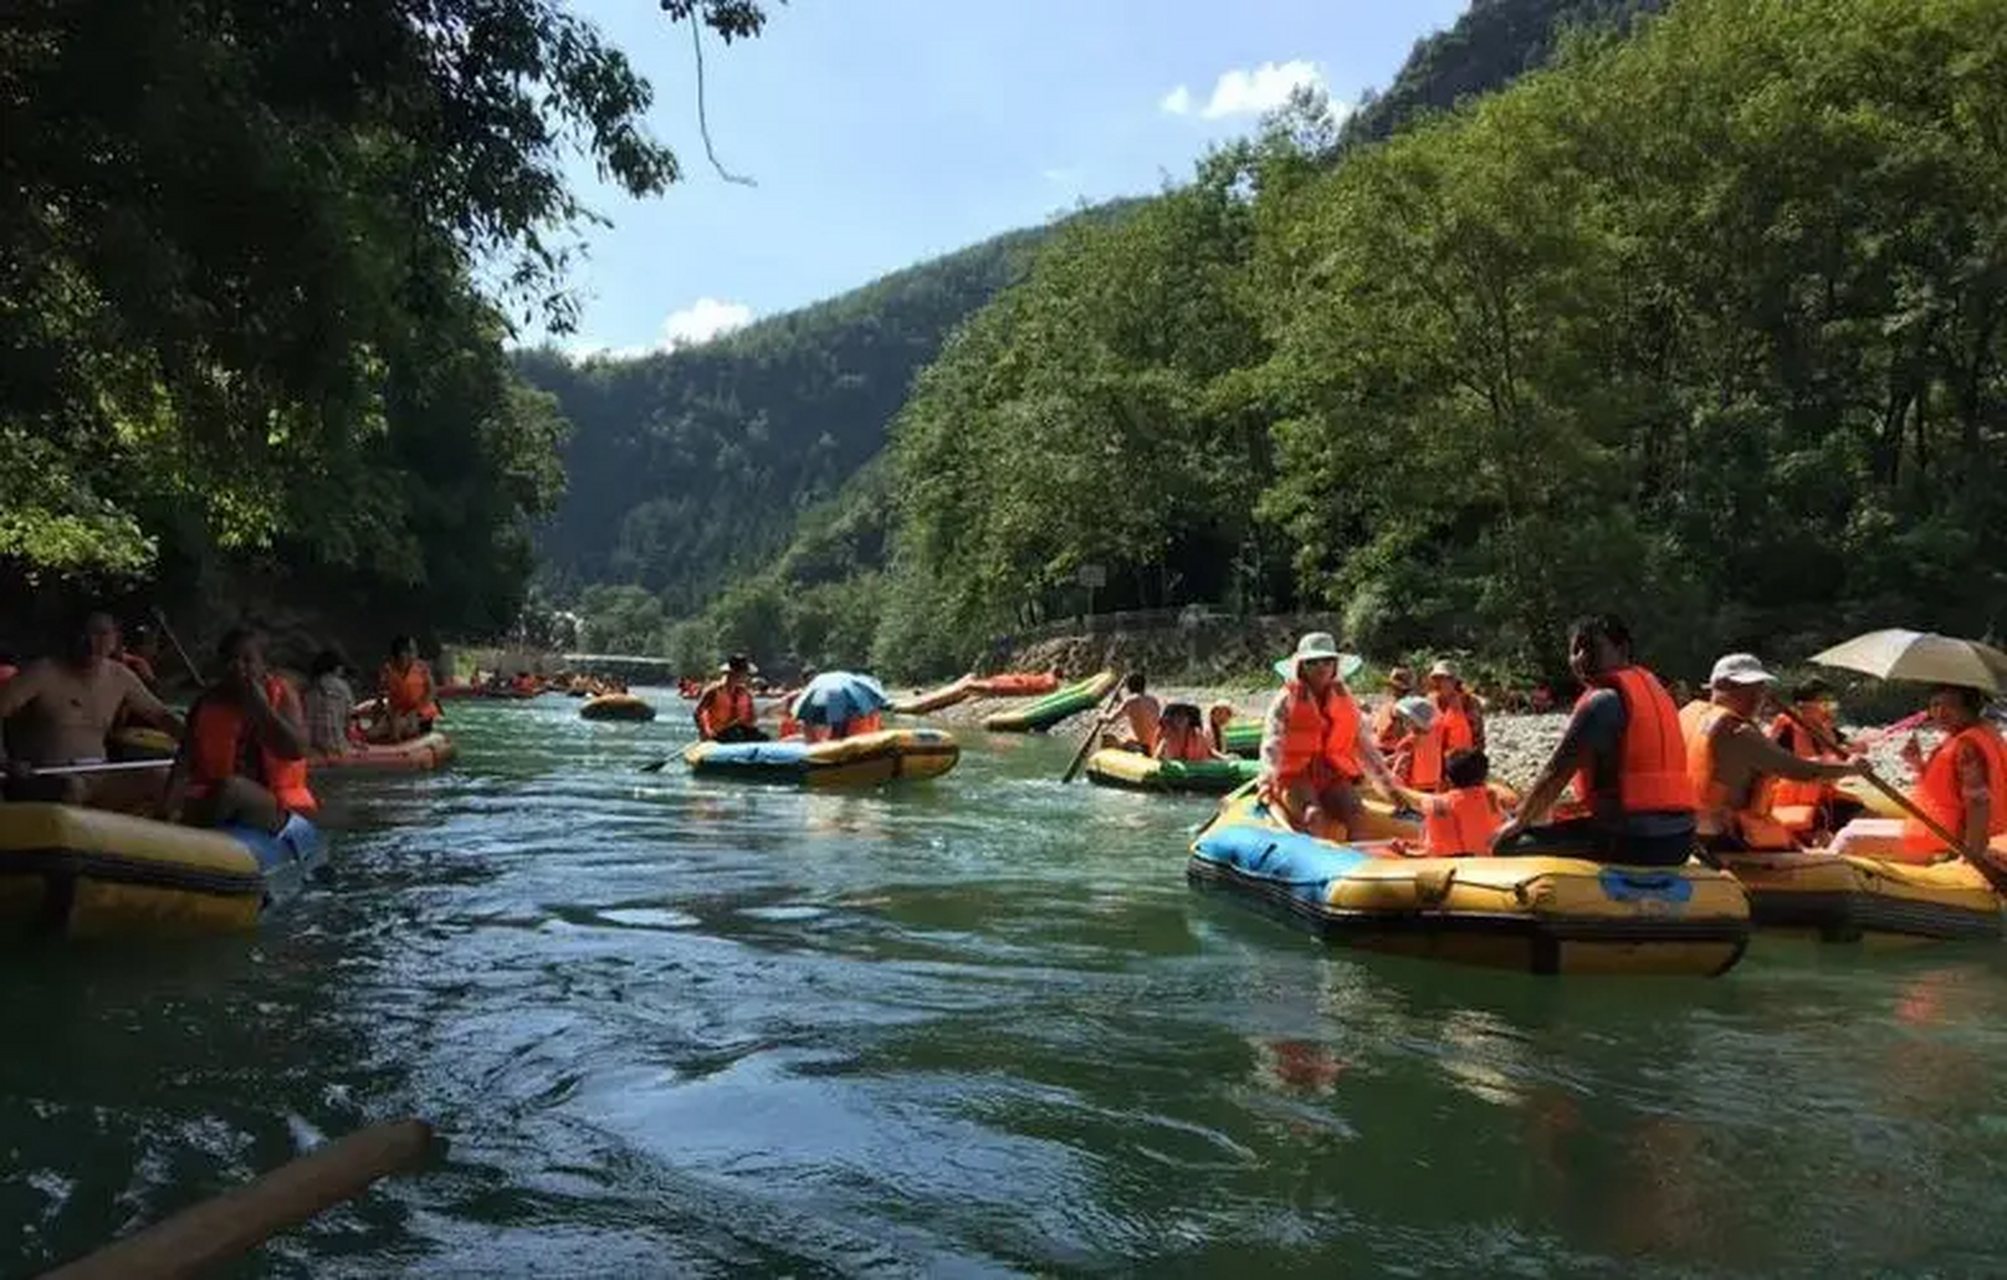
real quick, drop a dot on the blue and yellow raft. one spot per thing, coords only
(1545, 915)
(87, 873)
(867, 760)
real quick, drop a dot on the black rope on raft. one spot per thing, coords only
(703, 122)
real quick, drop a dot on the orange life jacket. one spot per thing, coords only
(1786, 793)
(1937, 794)
(1461, 821)
(1192, 746)
(1453, 722)
(406, 692)
(1323, 735)
(1712, 814)
(1651, 759)
(1422, 765)
(872, 723)
(217, 731)
(738, 709)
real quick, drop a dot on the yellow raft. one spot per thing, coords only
(867, 760)
(929, 701)
(427, 751)
(88, 873)
(1545, 915)
(1845, 898)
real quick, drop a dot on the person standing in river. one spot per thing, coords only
(1625, 754)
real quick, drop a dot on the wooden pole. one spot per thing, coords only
(241, 1219)
(1875, 780)
(160, 617)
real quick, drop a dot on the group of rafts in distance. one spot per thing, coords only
(1651, 841)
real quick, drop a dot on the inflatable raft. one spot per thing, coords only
(86, 873)
(867, 760)
(1845, 898)
(1016, 684)
(1053, 708)
(1113, 767)
(141, 744)
(1544, 915)
(616, 706)
(416, 755)
(921, 704)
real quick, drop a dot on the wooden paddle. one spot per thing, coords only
(1093, 734)
(160, 617)
(239, 1220)
(1875, 780)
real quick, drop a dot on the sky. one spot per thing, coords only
(881, 133)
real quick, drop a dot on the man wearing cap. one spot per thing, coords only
(1387, 727)
(1732, 762)
(1315, 746)
(1462, 715)
(725, 711)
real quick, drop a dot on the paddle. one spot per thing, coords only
(1093, 734)
(113, 766)
(239, 1220)
(1875, 780)
(160, 616)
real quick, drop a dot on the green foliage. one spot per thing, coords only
(238, 317)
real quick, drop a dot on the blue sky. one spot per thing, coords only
(884, 132)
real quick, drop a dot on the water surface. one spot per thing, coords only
(976, 1027)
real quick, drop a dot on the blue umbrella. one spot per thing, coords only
(836, 696)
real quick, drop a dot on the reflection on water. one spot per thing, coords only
(979, 1026)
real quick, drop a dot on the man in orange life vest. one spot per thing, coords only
(1626, 756)
(725, 711)
(1731, 762)
(408, 693)
(243, 759)
(1962, 784)
(1316, 745)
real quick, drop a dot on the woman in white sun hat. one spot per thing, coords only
(1316, 745)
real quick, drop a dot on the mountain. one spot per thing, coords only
(690, 467)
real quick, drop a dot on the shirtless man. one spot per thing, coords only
(62, 710)
(1143, 712)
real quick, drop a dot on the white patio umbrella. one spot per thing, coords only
(1922, 657)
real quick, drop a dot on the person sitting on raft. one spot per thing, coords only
(1731, 762)
(1624, 750)
(1962, 785)
(1182, 736)
(142, 655)
(1461, 714)
(1142, 711)
(408, 694)
(725, 710)
(1388, 727)
(1458, 822)
(1826, 807)
(1420, 749)
(62, 712)
(1218, 716)
(1315, 745)
(243, 760)
(328, 704)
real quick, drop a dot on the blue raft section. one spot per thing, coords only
(288, 861)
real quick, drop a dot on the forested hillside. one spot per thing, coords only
(692, 466)
(691, 472)
(240, 334)
(1709, 327)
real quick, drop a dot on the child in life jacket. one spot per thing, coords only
(1459, 822)
(1181, 736)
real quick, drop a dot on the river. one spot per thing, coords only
(976, 1027)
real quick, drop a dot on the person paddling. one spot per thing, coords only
(725, 710)
(1142, 711)
(61, 711)
(1626, 757)
(1732, 763)
(1961, 784)
(1315, 744)
(243, 760)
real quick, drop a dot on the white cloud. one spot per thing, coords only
(1245, 92)
(693, 326)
